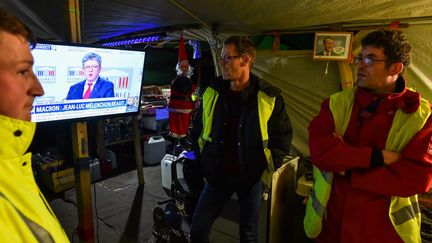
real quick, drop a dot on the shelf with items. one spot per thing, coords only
(142, 136)
(120, 130)
(117, 129)
(425, 203)
(425, 199)
(152, 120)
(57, 174)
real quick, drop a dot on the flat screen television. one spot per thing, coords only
(62, 72)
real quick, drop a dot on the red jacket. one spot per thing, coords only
(181, 92)
(357, 210)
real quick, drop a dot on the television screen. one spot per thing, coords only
(83, 81)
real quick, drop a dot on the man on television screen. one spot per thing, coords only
(93, 86)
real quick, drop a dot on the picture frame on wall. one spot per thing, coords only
(332, 45)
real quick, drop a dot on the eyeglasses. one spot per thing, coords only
(228, 59)
(368, 61)
(88, 68)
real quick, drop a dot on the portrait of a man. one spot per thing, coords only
(332, 45)
(93, 86)
(328, 44)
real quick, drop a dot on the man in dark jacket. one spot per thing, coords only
(240, 135)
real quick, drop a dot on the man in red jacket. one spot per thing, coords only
(360, 139)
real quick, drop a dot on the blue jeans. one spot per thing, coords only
(213, 199)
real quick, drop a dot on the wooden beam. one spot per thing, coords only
(138, 153)
(82, 182)
(80, 148)
(345, 74)
(74, 21)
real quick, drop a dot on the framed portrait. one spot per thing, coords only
(332, 45)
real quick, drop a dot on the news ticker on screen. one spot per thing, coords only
(90, 105)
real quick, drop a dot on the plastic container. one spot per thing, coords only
(154, 150)
(112, 157)
(95, 172)
(166, 169)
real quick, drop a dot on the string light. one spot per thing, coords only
(139, 40)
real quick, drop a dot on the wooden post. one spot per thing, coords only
(100, 141)
(345, 71)
(138, 152)
(74, 20)
(346, 74)
(82, 182)
(80, 148)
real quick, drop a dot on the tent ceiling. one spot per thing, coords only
(102, 19)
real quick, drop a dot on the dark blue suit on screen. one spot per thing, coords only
(102, 89)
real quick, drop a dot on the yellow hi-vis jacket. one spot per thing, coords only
(265, 109)
(25, 215)
(404, 212)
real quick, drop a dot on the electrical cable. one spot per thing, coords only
(72, 235)
(57, 176)
(95, 202)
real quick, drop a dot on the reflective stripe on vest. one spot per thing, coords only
(265, 109)
(403, 212)
(209, 99)
(38, 232)
(316, 206)
(406, 212)
(327, 178)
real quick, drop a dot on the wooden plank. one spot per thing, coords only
(346, 75)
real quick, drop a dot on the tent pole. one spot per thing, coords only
(80, 149)
(190, 13)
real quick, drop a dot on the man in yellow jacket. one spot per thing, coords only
(25, 215)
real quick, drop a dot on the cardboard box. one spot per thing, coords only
(58, 181)
(51, 164)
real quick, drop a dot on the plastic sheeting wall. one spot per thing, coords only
(419, 73)
(304, 85)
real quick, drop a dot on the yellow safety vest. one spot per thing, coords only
(404, 212)
(265, 109)
(25, 214)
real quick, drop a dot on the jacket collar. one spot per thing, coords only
(16, 136)
(222, 85)
(406, 100)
